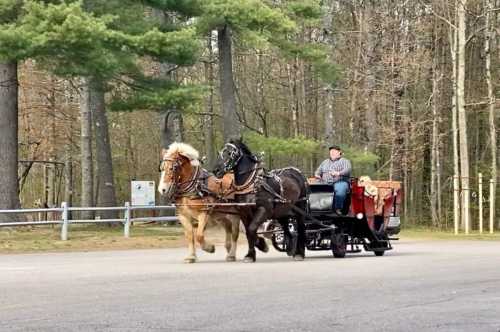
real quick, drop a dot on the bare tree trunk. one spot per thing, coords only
(435, 141)
(9, 193)
(491, 100)
(453, 34)
(398, 140)
(462, 117)
(68, 176)
(131, 159)
(354, 85)
(358, 25)
(329, 135)
(209, 117)
(292, 83)
(51, 185)
(438, 150)
(68, 149)
(308, 88)
(232, 127)
(51, 168)
(397, 118)
(87, 195)
(105, 181)
(370, 124)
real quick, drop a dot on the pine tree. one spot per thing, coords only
(75, 39)
(252, 21)
(259, 24)
(9, 198)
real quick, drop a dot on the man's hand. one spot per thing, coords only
(335, 173)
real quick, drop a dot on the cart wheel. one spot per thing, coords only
(339, 245)
(278, 237)
(383, 236)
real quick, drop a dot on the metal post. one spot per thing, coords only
(126, 226)
(492, 199)
(64, 227)
(480, 189)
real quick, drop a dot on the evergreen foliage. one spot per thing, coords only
(73, 42)
(363, 161)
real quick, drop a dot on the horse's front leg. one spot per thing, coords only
(200, 234)
(232, 227)
(189, 234)
(251, 230)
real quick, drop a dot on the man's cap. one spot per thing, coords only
(336, 147)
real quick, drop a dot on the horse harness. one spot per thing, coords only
(201, 185)
(274, 175)
(259, 179)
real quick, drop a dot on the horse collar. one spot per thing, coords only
(190, 185)
(249, 183)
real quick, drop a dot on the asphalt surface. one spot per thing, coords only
(419, 286)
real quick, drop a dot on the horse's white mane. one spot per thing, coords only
(185, 150)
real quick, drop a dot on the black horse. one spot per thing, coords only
(279, 195)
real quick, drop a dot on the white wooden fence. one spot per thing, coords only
(65, 221)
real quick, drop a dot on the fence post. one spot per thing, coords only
(492, 198)
(64, 227)
(480, 189)
(126, 226)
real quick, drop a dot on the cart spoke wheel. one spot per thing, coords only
(278, 238)
(339, 245)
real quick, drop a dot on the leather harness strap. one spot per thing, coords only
(191, 187)
(249, 184)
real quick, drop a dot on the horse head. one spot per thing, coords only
(230, 157)
(176, 167)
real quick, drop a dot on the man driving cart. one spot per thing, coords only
(336, 171)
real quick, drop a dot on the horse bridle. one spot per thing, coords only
(191, 183)
(235, 156)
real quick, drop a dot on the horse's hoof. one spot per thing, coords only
(262, 245)
(209, 248)
(249, 259)
(230, 259)
(298, 258)
(189, 260)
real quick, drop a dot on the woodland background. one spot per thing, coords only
(96, 88)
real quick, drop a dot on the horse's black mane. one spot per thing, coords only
(243, 147)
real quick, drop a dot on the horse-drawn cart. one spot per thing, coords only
(302, 215)
(370, 216)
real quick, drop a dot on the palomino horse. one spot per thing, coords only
(193, 189)
(279, 194)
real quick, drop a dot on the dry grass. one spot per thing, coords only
(144, 236)
(433, 234)
(88, 237)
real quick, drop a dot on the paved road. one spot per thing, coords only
(420, 286)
